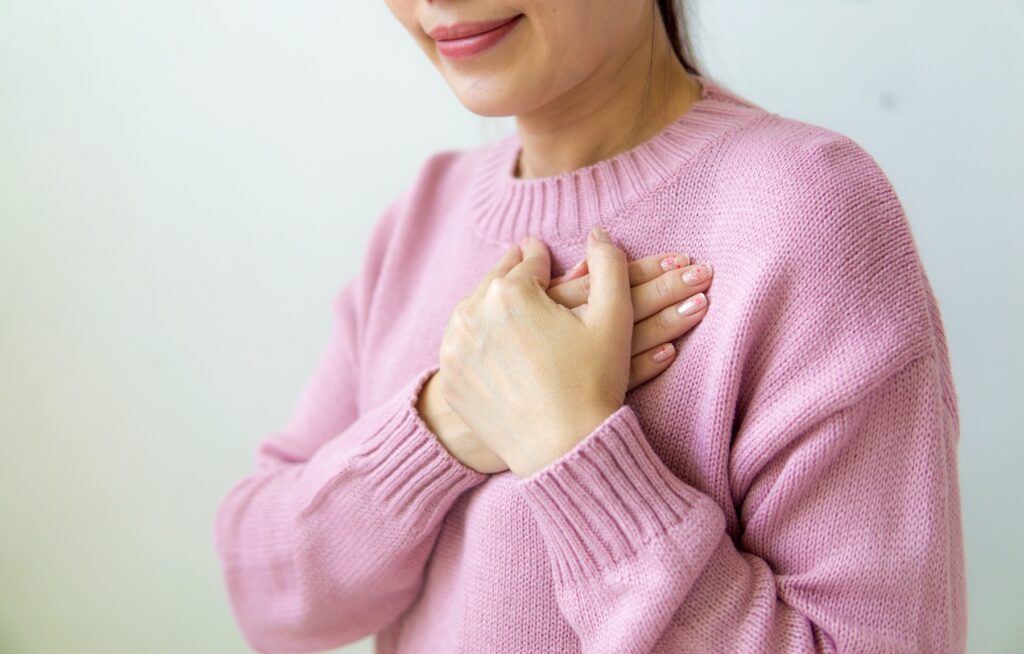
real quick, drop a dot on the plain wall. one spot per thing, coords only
(184, 186)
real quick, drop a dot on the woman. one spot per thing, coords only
(492, 458)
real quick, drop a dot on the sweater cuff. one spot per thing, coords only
(408, 467)
(601, 502)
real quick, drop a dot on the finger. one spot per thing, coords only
(670, 288)
(646, 269)
(580, 311)
(610, 301)
(536, 261)
(575, 272)
(509, 259)
(572, 288)
(648, 365)
(668, 324)
(571, 293)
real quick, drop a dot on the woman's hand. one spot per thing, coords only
(658, 294)
(658, 287)
(528, 376)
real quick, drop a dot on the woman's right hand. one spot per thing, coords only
(659, 286)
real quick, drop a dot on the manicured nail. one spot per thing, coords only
(663, 353)
(599, 233)
(697, 273)
(673, 262)
(693, 304)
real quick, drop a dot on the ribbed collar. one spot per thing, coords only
(564, 207)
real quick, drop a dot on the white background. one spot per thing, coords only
(184, 185)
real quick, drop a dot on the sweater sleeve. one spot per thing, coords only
(851, 536)
(326, 540)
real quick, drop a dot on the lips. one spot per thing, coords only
(465, 30)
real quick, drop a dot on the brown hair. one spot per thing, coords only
(674, 18)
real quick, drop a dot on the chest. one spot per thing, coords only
(416, 293)
(687, 411)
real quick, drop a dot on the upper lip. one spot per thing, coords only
(463, 30)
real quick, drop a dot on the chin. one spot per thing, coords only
(490, 106)
(490, 98)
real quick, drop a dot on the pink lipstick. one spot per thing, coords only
(467, 39)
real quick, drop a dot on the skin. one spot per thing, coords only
(585, 81)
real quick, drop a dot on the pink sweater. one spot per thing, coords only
(789, 484)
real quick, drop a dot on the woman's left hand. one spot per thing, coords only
(529, 376)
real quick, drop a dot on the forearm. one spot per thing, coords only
(851, 542)
(330, 550)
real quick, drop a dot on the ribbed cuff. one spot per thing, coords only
(410, 470)
(606, 498)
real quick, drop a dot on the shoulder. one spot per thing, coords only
(812, 196)
(817, 194)
(436, 190)
(435, 180)
(809, 174)
(840, 289)
(403, 216)
(825, 204)
(421, 208)
(445, 173)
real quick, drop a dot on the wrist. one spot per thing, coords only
(432, 407)
(563, 440)
(447, 426)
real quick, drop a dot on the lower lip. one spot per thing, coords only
(471, 45)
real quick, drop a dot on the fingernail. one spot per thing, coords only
(697, 273)
(673, 262)
(599, 233)
(663, 352)
(692, 304)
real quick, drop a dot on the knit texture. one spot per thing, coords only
(788, 484)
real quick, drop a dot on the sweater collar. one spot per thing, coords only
(564, 207)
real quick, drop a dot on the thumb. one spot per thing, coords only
(610, 300)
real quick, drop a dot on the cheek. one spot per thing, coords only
(405, 12)
(568, 39)
(408, 16)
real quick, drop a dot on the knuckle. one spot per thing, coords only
(650, 269)
(612, 253)
(465, 318)
(663, 322)
(508, 291)
(664, 286)
(634, 369)
(584, 283)
(498, 288)
(445, 355)
(496, 284)
(503, 284)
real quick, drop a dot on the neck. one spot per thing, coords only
(612, 111)
(561, 208)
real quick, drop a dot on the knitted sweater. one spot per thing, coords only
(788, 484)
